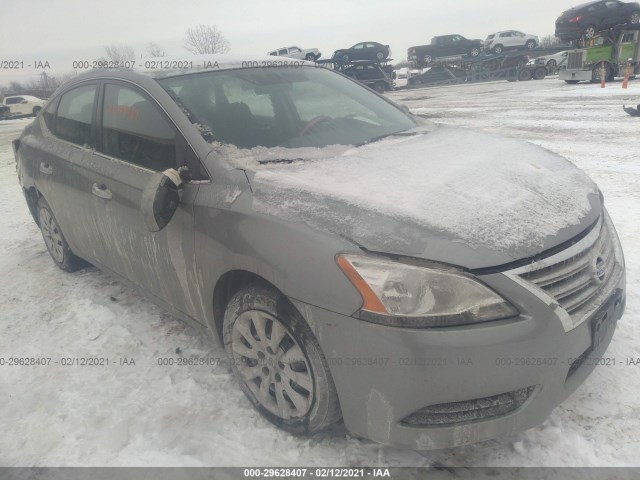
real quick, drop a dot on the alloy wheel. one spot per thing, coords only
(272, 364)
(635, 18)
(52, 235)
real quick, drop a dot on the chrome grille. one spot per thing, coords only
(580, 278)
(574, 60)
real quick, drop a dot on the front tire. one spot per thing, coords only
(310, 57)
(498, 49)
(380, 87)
(278, 361)
(590, 32)
(380, 56)
(635, 18)
(474, 52)
(36, 110)
(551, 64)
(54, 239)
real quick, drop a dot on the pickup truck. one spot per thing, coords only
(311, 54)
(444, 46)
(23, 104)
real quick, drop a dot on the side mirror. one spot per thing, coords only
(160, 199)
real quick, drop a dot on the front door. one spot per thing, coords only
(136, 141)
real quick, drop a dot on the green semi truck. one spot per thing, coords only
(609, 54)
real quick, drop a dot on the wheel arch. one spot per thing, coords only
(226, 287)
(32, 195)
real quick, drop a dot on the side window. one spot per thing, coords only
(294, 50)
(273, 54)
(612, 4)
(73, 118)
(134, 130)
(282, 52)
(14, 100)
(359, 46)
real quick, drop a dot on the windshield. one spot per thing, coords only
(286, 107)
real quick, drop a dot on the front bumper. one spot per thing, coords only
(576, 75)
(385, 376)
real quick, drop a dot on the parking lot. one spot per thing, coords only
(149, 407)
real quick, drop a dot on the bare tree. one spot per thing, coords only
(154, 50)
(120, 53)
(549, 41)
(206, 39)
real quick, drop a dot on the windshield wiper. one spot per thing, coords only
(396, 134)
(280, 160)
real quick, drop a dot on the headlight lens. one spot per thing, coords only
(404, 295)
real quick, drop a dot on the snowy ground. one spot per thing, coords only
(146, 414)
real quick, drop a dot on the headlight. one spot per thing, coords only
(404, 295)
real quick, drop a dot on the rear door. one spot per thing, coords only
(358, 52)
(136, 139)
(458, 45)
(62, 176)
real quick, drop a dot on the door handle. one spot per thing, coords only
(101, 191)
(46, 168)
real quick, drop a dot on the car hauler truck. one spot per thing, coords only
(609, 54)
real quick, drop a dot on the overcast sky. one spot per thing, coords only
(62, 31)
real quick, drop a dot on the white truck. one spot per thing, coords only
(310, 54)
(23, 105)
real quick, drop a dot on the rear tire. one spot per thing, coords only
(267, 340)
(572, 82)
(427, 59)
(530, 45)
(36, 110)
(551, 64)
(310, 57)
(635, 18)
(590, 32)
(380, 56)
(474, 52)
(539, 73)
(54, 239)
(380, 87)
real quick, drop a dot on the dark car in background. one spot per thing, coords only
(587, 19)
(363, 51)
(444, 46)
(372, 74)
(438, 75)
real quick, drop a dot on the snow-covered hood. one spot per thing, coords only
(452, 195)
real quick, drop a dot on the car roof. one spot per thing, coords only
(23, 96)
(194, 63)
(585, 5)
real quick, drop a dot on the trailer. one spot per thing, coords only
(451, 70)
(608, 56)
